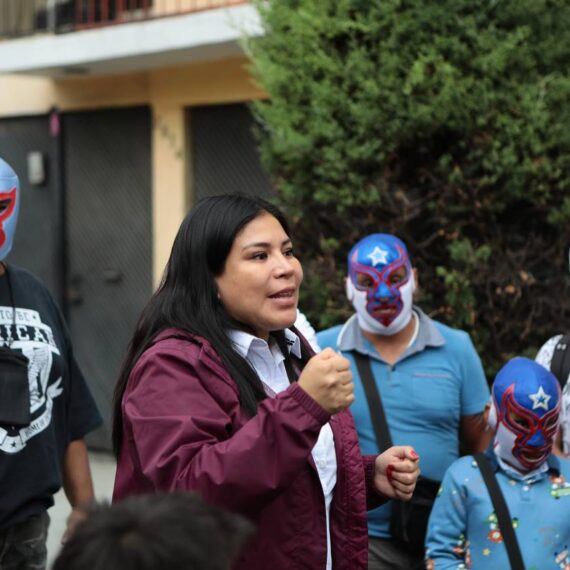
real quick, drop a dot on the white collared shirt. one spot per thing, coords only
(268, 363)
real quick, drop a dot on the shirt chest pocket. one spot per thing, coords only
(435, 391)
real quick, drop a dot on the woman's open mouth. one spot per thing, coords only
(285, 294)
(285, 297)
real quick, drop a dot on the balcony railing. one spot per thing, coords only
(27, 17)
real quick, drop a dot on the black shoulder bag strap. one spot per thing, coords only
(502, 512)
(560, 364)
(12, 302)
(379, 423)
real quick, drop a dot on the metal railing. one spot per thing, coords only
(27, 17)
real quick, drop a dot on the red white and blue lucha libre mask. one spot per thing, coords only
(380, 284)
(9, 207)
(525, 409)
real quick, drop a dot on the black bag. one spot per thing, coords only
(410, 519)
(408, 524)
(14, 388)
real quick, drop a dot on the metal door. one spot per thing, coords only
(224, 153)
(108, 204)
(38, 240)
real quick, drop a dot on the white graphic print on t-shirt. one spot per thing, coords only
(35, 340)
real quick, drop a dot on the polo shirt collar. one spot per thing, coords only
(351, 337)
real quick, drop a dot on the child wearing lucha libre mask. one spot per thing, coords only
(524, 418)
(429, 377)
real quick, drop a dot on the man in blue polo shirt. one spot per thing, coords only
(429, 376)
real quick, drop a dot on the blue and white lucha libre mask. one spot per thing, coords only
(9, 207)
(380, 284)
(525, 410)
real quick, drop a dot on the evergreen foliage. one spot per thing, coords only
(446, 123)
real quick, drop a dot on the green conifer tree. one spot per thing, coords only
(445, 122)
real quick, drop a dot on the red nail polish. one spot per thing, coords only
(414, 454)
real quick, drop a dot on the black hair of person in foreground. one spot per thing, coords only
(174, 531)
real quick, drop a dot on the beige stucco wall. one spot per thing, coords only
(25, 95)
(171, 91)
(168, 91)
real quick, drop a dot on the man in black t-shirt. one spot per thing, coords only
(39, 455)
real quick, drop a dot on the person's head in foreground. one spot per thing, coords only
(381, 283)
(524, 414)
(176, 531)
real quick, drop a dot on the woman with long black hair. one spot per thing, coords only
(219, 394)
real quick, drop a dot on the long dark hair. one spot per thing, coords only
(187, 297)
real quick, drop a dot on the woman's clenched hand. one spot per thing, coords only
(328, 380)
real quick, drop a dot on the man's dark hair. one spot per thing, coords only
(187, 298)
(175, 531)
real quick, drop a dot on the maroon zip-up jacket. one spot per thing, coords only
(184, 430)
